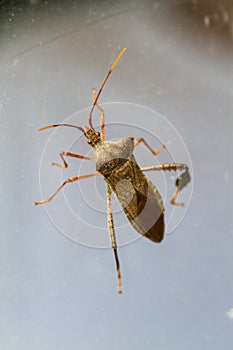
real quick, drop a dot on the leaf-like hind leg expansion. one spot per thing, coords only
(68, 154)
(69, 180)
(113, 240)
(181, 181)
(155, 153)
(102, 122)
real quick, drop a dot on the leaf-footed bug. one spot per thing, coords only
(115, 162)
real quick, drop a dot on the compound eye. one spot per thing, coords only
(98, 133)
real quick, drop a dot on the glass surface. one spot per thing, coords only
(56, 293)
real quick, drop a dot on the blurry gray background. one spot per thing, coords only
(57, 294)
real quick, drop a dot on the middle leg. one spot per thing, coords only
(69, 180)
(155, 153)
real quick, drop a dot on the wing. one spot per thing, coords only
(139, 199)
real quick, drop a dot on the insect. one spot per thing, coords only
(115, 162)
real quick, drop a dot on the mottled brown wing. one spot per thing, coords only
(139, 199)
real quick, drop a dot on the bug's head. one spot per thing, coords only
(93, 137)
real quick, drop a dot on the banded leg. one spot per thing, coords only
(155, 153)
(69, 180)
(113, 240)
(181, 181)
(68, 154)
(102, 122)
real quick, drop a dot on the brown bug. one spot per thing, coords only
(115, 161)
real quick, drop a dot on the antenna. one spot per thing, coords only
(55, 125)
(104, 82)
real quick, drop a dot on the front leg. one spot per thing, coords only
(68, 154)
(102, 118)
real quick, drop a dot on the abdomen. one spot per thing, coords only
(139, 199)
